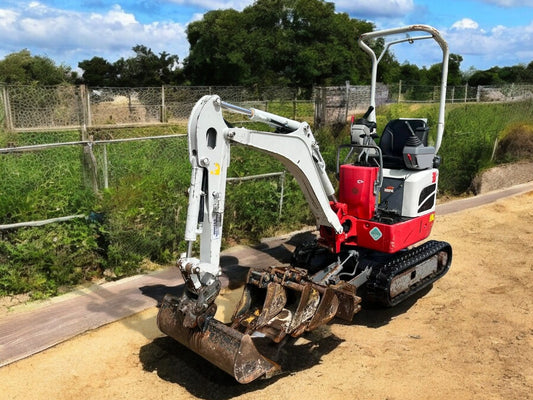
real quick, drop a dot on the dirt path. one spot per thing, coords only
(469, 337)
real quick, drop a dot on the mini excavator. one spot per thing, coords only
(371, 246)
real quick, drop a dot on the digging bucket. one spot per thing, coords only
(227, 348)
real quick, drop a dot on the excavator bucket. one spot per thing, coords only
(284, 301)
(227, 348)
(275, 303)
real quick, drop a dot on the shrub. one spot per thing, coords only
(44, 260)
(516, 143)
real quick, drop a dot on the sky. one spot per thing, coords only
(485, 33)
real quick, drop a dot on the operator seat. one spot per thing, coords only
(395, 136)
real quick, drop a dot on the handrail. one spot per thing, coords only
(434, 34)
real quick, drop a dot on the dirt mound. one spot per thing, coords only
(517, 144)
(503, 176)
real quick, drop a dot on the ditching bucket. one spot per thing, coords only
(227, 348)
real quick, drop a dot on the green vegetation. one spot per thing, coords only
(470, 136)
(140, 217)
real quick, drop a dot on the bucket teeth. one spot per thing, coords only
(280, 302)
(275, 300)
(327, 309)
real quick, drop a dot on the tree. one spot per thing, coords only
(455, 76)
(98, 72)
(23, 68)
(147, 69)
(289, 42)
(144, 69)
(502, 75)
(217, 46)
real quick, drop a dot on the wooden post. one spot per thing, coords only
(85, 107)
(400, 91)
(347, 108)
(90, 168)
(7, 109)
(163, 116)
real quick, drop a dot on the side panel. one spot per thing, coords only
(392, 238)
(420, 195)
(414, 193)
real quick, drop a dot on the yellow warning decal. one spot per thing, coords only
(215, 171)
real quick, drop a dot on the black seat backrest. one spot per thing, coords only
(395, 136)
(397, 132)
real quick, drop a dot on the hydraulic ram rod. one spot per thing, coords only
(262, 116)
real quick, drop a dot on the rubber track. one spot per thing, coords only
(378, 287)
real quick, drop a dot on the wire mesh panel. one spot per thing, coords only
(38, 107)
(505, 93)
(115, 106)
(333, 105)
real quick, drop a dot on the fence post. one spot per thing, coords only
(282, 183)
(163, 116)
(7, 109)
(347, 101)
(83, 105)
(400, 91)
(466, 92)
(494, 149)
(105, 167)
(319, 115)
(90, 170)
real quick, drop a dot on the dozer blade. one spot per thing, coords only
(227, 348)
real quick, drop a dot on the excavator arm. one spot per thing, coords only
(210, 138)
(190, 318)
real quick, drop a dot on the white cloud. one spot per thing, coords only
(465, 23)
(500, 45)
(70, 37)
(373, 9)
(215, 4)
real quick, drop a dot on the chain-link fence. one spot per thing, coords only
(33, 108)
(118, 196)
(73, 209)
(333, 105)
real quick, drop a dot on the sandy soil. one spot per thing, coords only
(469, 337)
